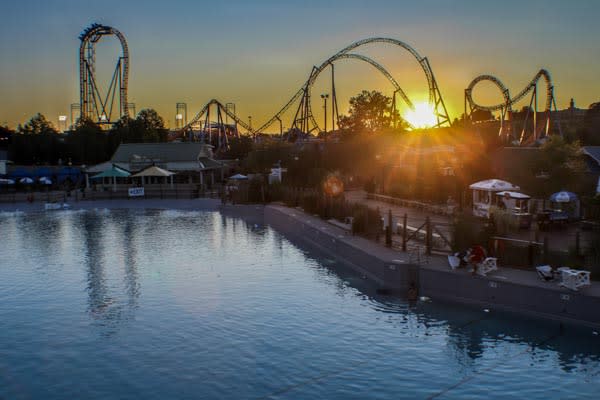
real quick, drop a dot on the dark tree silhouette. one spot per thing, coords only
(369, 112)
(37, 125)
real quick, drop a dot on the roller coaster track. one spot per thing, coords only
(303, 93)
(507, 105)
(434, 95)
(91, 100)
(224, 109)
(508, 101)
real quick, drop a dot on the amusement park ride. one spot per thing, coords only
(93, 104)
(212, 123)
(507, 130)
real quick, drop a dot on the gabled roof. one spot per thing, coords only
(208, 163)
(165, 152)
(592, 151)
(153, 171)
(493, 185)
(513, 195)
(113, 172)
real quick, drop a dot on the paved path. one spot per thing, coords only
(559, 239)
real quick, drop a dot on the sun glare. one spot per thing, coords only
(422, 116)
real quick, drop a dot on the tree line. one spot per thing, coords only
(38, 141)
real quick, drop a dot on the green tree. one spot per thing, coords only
(588, 134)
(151, 125)
(37, 125)
(148, 127)
(562, 166)
(369, 111)
(88, 143)
(238, 148)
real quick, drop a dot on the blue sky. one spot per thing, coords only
(258, 53)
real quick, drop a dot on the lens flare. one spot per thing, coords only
(333, 186)
(423, 116)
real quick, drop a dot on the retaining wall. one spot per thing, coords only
(508, 290)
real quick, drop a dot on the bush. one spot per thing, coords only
(256, 192)
(370, 186)
(467, 231)
(366, 221)
(592, 256)
(504, 220)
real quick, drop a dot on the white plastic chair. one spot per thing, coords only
(574, 279)
(486, 266)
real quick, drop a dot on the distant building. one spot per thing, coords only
(569, 117)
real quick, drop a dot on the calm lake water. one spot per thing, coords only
(168, 304)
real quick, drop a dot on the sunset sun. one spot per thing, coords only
(422, 116)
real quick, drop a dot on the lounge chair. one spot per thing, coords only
(486, 266)
(545, 272)
(574, 279)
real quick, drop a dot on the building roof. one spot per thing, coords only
(493, 185)
(154, 171)
(161, 152)
(592, 151)
(513, 195)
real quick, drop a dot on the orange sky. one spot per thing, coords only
(258, 55)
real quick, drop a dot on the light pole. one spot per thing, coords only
(325, 96)
(280, 127)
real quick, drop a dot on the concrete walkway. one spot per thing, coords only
(559, 239)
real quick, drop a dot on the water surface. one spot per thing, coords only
(171, 304)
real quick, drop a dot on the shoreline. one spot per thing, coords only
(205, 204)
(510, 290)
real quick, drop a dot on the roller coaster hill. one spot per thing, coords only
(217, 123)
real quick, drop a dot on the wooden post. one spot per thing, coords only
(577, 244)
(388, 230)
(378, 227)
(546, 256)
(404, 222)
(428, 236)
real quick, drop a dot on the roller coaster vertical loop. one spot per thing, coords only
(506, 106)
(93, 103)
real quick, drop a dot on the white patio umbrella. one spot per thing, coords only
(44, 180)
(27, 181)
(7, 181)
(563, 197)
(238, 177)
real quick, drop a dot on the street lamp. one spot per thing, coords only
(280, 126)
(325, 96)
